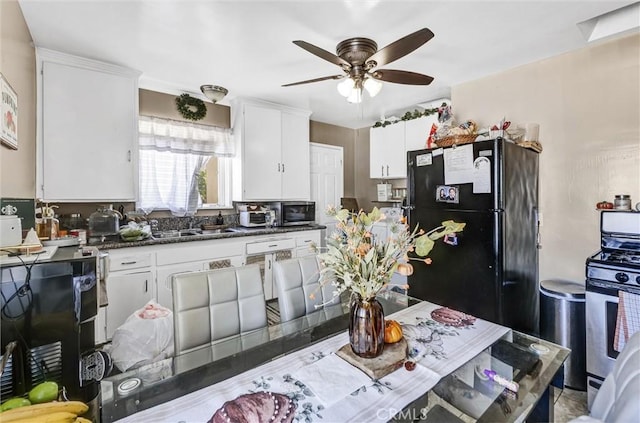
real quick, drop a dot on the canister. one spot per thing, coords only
(622, 202)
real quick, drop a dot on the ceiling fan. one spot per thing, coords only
(359, 59)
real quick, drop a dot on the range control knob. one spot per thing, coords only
(638, 280)
(622, 277)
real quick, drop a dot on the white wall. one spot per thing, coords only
(587, 103)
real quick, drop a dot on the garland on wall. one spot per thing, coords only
(186, 105)
(407, 116)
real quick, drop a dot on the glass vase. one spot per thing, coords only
(366, 327)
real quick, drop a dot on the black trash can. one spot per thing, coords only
(562, 321)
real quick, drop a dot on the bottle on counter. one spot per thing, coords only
(48, 226)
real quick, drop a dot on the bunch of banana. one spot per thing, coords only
(49, 412)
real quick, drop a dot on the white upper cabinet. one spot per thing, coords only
(272, 154)
(296, 165)
(416, 132)
(387, 152)
(389, 146)
(87, 129)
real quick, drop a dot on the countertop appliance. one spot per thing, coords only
(296, 213)
(489, 270)
(613, 270)
(10, 231)
(48, 313)
(254, 218)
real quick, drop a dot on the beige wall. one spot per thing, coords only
(18, 65)
(153, 103)
(587, 105)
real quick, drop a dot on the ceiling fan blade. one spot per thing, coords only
(402, 77)
(323, 54)
(401, 47)
(324, 78)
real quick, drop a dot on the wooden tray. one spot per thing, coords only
(391, 359)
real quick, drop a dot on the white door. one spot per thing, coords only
(327, 181)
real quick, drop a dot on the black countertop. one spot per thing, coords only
(237, 232)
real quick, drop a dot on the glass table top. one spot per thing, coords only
(465, 393)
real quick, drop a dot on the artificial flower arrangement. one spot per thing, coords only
(358, 262)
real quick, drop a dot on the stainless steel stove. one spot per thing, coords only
(615, 268)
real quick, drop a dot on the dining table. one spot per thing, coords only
(457, 369)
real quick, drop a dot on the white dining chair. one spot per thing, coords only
(299, 290)
(618, 399)
(215, 304)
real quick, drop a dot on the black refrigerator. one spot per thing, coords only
(490, 269)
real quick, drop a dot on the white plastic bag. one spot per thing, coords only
(145, 337)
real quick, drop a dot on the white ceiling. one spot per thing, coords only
(246, 46)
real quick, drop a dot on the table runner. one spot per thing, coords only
(438, 348)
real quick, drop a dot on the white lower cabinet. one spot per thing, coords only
(192, 257)
(306, 241)
(127, 292)
(139, 274)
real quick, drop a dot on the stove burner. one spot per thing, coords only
(621, 257)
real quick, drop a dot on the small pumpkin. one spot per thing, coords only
(392, 331)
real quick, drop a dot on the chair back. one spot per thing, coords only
(297, 281)
(215, 304)
(618, 399)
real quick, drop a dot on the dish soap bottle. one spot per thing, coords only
(219, 218)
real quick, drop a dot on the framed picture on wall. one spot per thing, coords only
(8, 115)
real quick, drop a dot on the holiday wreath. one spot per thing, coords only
(186, 103)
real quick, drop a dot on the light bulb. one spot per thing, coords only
(355, 96)
(345, 87)
(373, 86)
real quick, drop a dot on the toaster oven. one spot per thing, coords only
(253, 218)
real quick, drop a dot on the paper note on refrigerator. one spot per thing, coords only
(458, 165)
(481, 176)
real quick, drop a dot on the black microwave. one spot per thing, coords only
(292, 213)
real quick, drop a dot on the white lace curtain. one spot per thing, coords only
(172, 153)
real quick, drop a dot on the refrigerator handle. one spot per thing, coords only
(538, 224)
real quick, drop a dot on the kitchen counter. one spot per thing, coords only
(232, 233)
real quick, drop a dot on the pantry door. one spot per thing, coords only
(327, 181)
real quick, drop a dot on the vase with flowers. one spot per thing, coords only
(357, 262)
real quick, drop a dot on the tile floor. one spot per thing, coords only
(569, 404)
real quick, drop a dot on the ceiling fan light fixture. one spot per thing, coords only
(346, 87)
(373, 86)
(355, 96)
(214, 93)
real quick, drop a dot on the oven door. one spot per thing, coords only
(602, 312)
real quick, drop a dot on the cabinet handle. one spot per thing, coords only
(282, 167)
(278, 167)
(273, 245)
(126, 263)
(269, 264)
(146, 285)
(387, 170)
(129, 155)
(382, 170)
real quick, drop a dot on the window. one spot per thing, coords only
(183, 166)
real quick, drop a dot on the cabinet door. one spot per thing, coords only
(127, 293)
(395, 152)
(417, 131)
(89, 125)
(377, 160)
(296, 184)
(164, 274)
(387, 154)
(262, 152)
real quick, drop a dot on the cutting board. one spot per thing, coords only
(391, 359)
